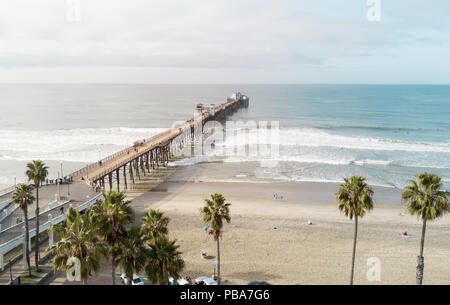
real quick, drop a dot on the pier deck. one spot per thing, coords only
(154, 151)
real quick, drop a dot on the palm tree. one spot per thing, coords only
(165, 261)
(36, 173)
(23, 197)
(154, 224)
(425, 198)
(78, 240)
(214, 213)
(111, 216)
(131, 252)
(355, 198)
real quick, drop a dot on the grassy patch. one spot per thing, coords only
(26, 279)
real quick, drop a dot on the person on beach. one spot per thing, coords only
(206, 228)
(189, 280)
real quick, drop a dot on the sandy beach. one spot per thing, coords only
(269, 240)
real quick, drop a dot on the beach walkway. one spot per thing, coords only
(79, 193)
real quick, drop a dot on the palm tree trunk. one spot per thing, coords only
(130, 279)
(420, 260)
(354, 249)
(218, 260)
(27, 238)
(36, 250)
(113, 271)
(166, 282)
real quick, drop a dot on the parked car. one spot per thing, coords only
(136, 280)
(258, 283)
(180, 281)
(204, 280)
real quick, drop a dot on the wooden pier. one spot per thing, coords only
(144, 156)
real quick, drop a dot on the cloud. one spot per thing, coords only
(182, 34)
(209, 34)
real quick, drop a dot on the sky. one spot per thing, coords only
(233, 41)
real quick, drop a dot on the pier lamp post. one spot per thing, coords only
(59, 187)
(62, 178)
(100, 152)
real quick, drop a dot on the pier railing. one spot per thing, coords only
(110, 157)
(115, 155)
(126, 161)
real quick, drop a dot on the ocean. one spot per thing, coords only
(386, 133)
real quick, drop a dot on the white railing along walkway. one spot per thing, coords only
(4, 204)
(50, 207)
(8, 211)
(14, 207)
(16, 241)
(7, 190)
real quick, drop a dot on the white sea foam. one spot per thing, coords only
(299, 159)
(316, 154)
(371, 162)
(79, 145)
(313, 137)
(83, 144)
(190, 161)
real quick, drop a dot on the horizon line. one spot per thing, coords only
(223, 84)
